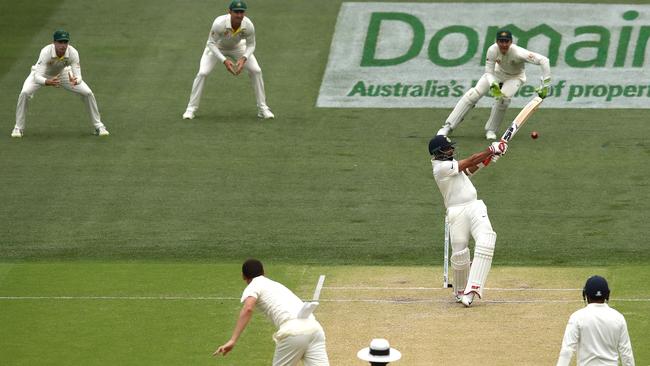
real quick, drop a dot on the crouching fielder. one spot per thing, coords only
(504, 74)
(57, 66)
(467, 215)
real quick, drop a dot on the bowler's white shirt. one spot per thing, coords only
(50, 65)
(455, 186)
(223, 38)
(513, 64)
(599, 334)
(276, 301)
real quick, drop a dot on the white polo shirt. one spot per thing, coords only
(499, 66)
(50, 65)
(223, 38)
(276, 301)
(455, 186)
(599, 335)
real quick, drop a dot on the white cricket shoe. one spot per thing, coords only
(445, 130)
(102, 131)
(265, 113)
(17, 133)
(467, 299)
(490, 135)
(188, 114)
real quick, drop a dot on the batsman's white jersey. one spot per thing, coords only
(48, 66)
(599, 335)
(296, 339)
(500, 67)
(456, 188)
(467, 216)
(224, 42)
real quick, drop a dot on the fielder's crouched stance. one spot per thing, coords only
(467, 215)
(57, 65)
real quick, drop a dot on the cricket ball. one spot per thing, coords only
(534, 135)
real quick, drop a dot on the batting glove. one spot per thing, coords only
(544, 89)
(498, 148)
(495, 90)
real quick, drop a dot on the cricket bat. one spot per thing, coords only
(521, 118)
(308, 307)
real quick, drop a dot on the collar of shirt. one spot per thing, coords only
(229, 25)
(65, 55)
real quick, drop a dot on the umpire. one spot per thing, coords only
(598, 332)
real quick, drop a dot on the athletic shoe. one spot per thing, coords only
(467, 299)
(490, 135)
(265, 113)
(444, 131)
(102, 131)
(188, 114)
(17, 133)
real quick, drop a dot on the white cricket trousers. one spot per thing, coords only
(30, 87)
(209, 61)
(308, 348)
(465, 220)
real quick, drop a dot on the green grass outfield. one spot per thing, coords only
(320, 187)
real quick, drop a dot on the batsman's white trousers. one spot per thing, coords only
(30, 87)
(209, 61)
(300, 340)
(465, 220)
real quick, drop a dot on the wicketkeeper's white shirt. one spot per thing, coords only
(455, 186)
(513, 64)
(599, 335)
(276, 301)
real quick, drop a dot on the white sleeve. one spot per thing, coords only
(75, 65)
(537, 59)
(490, 58)
(625, 346)
(252, 290)
(446, 169)
(250, 40)
(569, 342)
(215, 33)
(41, 65)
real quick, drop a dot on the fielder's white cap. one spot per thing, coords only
(379, 351)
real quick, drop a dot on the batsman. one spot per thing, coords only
(467, 215)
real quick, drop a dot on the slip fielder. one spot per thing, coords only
(232, 36)
(505, 64)
(467, 215)
(57, 66)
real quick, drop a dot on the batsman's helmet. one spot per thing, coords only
(438, 144)
(596, 288)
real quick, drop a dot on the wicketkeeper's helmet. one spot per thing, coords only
(438, 144)
(596, 288)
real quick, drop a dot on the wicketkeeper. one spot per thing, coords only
(505, 73)
(467, 215)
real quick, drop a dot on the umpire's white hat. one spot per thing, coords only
(379, 351)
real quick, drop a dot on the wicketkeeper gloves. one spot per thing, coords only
(496, 90)
(545, 88)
